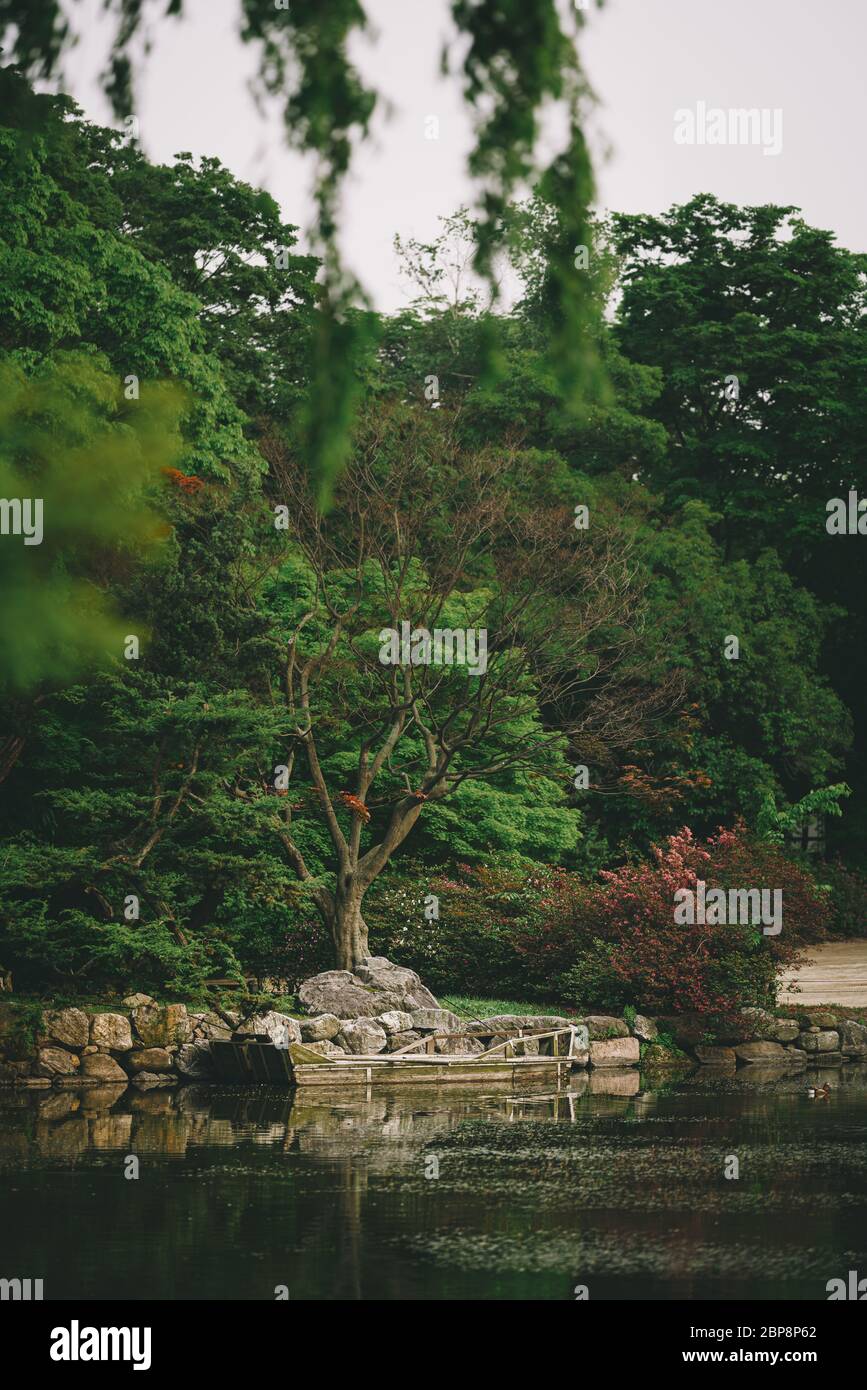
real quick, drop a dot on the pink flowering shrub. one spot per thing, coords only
(620, 943)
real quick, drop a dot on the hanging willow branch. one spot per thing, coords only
(520, 58)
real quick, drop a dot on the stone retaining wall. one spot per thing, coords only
(152, 1044)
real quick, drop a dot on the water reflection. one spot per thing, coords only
(618, 1183)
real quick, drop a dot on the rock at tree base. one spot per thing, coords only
(376, 987)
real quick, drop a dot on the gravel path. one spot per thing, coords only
(838, 975)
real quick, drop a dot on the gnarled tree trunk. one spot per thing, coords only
(349, 929)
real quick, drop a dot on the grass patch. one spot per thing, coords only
(466, 1007)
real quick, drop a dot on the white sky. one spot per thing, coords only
(644, 58)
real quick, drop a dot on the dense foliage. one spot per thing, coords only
(231, 794)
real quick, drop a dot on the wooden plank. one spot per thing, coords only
(520, 1073)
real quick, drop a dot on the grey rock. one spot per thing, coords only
(280, 1028)
(154, 1059)
(644, 1028)
(56, 1061)
(67, 1026)
(435, 1021)
(465, 1046)
(827, 1040)
(853, 1036)
(786, 1030)
(511, 1023)
(194, 1060)
(149, 1080)
(398, 1040)
(111, 1031)
(395, 1021)
(210, 1027)
(325, 1048)
(100, 1067)
(343, 994)
(396, 979)
(160, 1024)
(322, 1028)
(820, 1018)
(614, 1052)
(377, 986)
(137, 1001)
(361, 1035)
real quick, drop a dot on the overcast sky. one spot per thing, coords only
(646, 59)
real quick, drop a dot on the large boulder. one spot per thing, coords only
(209, 1027)
(66, 1026)
(398, 1040)
(111, 1031)
(100, 1067)
(614, 1052)
(322, 1028)
(56, 1061)
(819, 1040)
(280, 1028)
(157, 1025)
(361, 1035)
(376, 987)
(786, 1030)
(396, 979)
(819, 1018)
(395, 1021)
(154, 1059)
(853, 1038)
(194, 1060)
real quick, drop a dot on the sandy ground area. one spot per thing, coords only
(838, 975)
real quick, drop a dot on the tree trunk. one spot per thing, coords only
(349, 930)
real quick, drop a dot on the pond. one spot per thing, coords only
(619, 1186)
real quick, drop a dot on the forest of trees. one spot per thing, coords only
(206, 767)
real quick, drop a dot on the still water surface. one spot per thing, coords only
(620, 1186)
